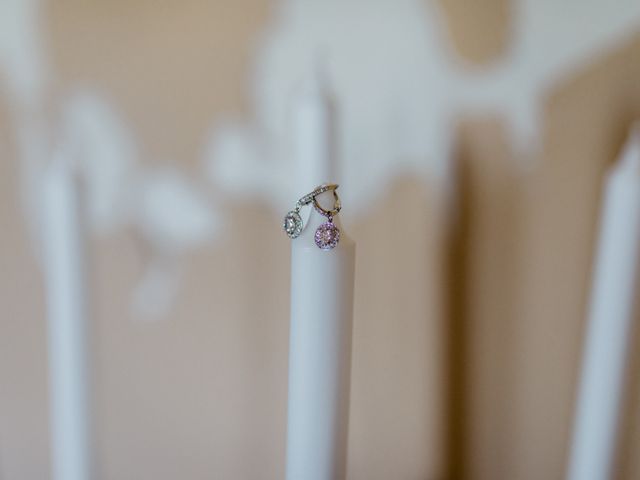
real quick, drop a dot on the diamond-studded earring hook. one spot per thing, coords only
(337, 206)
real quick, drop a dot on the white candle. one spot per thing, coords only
(314, 139)
(612, 311)
(321, 313)
(67, 324)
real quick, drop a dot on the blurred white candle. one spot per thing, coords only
(612, 312)
(321, 311)
(63, 238)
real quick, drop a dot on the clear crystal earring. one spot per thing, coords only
(292, 223)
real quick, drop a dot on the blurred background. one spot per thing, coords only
(473, 139)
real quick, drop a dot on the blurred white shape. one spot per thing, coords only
(168, 210)
(400, 86)
(231, 142)
(368, 56)
(33, 144)
(173, 217)
(106, 154)
(172, 213)
(67, 320)
(21, 52)
(25, 73)
(156, 291)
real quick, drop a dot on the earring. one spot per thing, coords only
(327, 234)
(292, 223)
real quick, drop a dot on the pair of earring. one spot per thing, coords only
(327, 234)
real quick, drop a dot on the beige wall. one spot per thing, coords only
(466, 339)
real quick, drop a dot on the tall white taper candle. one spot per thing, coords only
(314, 136)
(612, 311)
(321, 311)
(67, 324)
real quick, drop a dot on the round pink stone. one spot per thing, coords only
(327, 236)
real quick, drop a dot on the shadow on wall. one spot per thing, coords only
(482, 302)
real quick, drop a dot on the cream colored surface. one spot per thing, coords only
(466, 342)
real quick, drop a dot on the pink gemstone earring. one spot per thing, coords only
(327, 234)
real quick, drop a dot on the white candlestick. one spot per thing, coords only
(313, 125)
(612, 311)
(67, 325)
(321, 315)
